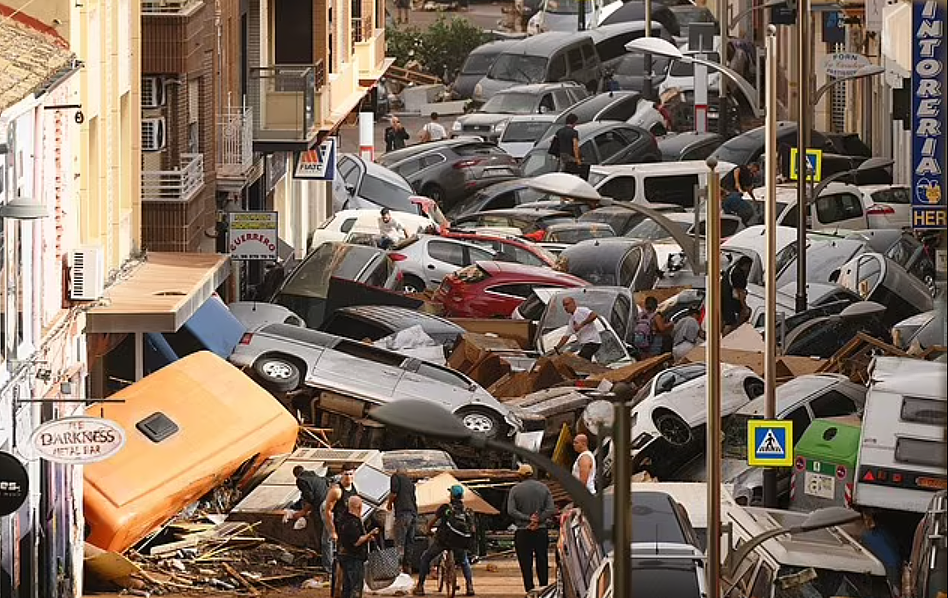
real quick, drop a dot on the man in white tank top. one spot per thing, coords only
(584, 468)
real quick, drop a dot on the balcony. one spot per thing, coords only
(370, 51)
(174, 186)
(234, 147)
(285, 102)
(176, 8)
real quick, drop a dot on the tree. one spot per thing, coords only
(441, 48)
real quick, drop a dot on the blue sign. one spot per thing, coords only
(770, 443)
(928, 115)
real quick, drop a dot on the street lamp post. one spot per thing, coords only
(770, 218)
(713, 385)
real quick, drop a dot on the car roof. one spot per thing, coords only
(595, 250)
(381, 172)
(512, 268)
(898, 374)
(544, 44)
(675, 144)
(537, 88)
(398, 317)
(793, 392)
(669, 168)
(538, 212)
(577, 225)
(495, 47)
(394, 157)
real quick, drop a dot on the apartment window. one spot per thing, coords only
(293, 32)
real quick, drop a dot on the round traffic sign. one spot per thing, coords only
(14, 484)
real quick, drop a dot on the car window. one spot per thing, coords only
(379, 274)
(546, 104)
(837, 207)
(629, 267)
(514, 290)
(562, 99)
(832, 404)
(680, 375)
(431, 160)
(697, 152)
(674, 189)
(897, 195)
(868, 274)
(575, 59)
(589, 52)
(801, 420)
(347, 167)
(620, 313)
(342, 324)
(588, 153)
(445, 251)
(729, 226)
(557, 68)
(902, 251)
(789, 218)
(916, 451)
(609, 144)
(920, 410)
(382, 192)
(477, 255)
(442, 375)
(368, 352)
(622, 109)
(522, 256)
(504, 200)
(489, 220)
(347, 224)
(577, 93)
(409, 167)
(527, 195)
(619, 187)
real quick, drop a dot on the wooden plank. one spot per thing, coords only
(240, 578)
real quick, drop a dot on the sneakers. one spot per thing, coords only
(469, 592)
(418, 591)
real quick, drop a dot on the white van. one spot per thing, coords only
(902, 460)
(656, 182)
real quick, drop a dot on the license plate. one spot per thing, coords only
(498, 171)
(819, 485)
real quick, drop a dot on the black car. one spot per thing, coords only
(378, 321)
(620, 219)
(628, 71)
(499, 196)
(602, 142)
(617, 261)
(450, 170)
(688, 146)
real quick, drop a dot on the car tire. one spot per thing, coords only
(412, 284)
(481, 419)
(277, 373)
(672, 428)
(434, 192)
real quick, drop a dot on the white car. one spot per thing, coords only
(673, 403)
(424, 260)
(347, 223)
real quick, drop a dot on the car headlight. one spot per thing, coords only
(456, 126)
(499, 127)
(478, 92)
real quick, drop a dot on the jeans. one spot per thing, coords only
(404, 533)
(460, 559)
(353, 576)
(528, 544)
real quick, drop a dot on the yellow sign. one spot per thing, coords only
(814, 157)
(769, 443)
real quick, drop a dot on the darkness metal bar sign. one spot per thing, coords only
(928, 115)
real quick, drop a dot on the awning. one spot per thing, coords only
(161, 294)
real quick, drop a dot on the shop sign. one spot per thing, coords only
(843, 64)
(78, 440)
(928, 115)
(14, 484)
(252, 236)
(317, 164)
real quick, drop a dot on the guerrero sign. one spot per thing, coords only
(77, 440)
(252, 235)
(928, 115)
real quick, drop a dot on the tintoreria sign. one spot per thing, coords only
(928, 115)
(78, 439)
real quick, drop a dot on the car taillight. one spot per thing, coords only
(880, 210)
(467, 163)
(397, 257)
(536, 235)
(246, 338)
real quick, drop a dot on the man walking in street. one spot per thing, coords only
(433, 130)
(582, 324)
(313, 490)
(333, 508)
(402, 498)
(353, 548)
(584, 468)
(567, 144)
(530, 504)
(395, 135)
(456, 531)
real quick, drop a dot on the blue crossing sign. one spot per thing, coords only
(814, 158)
(769, 443)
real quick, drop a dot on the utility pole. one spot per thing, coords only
(803, 142)
(581, 15)
(622, 483)
(713, 386)
(647, 89)
(722, 83)
(770, 224)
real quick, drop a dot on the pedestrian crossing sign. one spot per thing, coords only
(814, 159)
(769, 443)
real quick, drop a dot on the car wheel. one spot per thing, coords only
(674, 429)
(412, 284)
(277, 373)
(753, 388)
(434, 192)
(480, 420)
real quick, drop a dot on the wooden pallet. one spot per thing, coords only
(406, 76)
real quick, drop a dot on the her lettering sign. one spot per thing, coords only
(78, 440)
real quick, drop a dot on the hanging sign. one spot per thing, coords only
(253, 236)
(843, 64)
(317, 164)
(14, 484)
(928, 115)
(78, 440)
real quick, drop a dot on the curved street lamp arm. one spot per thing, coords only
(821, 91)
(738, 556)
(737, 18)
(684, 241)
(746, 88)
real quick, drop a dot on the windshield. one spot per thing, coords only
(538, 163)
(311, 278)
(556, 317)
(478, 64)
(741, 149)
(575, 235)
(681, 68)
(610, 351)
(519, 68)
(510, 103)
(565, 7)
(828, 584)
(523, 131)
(633, 65)
(653, 231)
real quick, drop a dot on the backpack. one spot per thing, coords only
(554, 149)
(642, 333)
(458, 525)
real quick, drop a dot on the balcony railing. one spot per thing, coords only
(170, 7)
(362, 30)
(178, 185)
(234, 142)
(283, 102)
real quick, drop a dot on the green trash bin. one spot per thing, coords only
(824, 464)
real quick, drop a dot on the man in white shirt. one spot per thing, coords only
(390, 229)
(584, 468)
(582, 324)
(433, 130)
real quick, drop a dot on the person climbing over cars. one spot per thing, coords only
(736, 184)
(456, 529)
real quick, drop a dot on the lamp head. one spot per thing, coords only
(874, 163)
(23, 208)
(656, 46)
(421, 417)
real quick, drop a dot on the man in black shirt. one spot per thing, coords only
(332, 509)
(313, 489)
(567, 140)
(402, 498)
(734, 310)
(353, 549)
(737, 183)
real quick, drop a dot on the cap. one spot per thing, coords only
(525, 470)
(457, 491)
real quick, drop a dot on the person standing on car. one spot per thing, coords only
(584, 467)
(313, 490)
(455, 532)
(402, 498)
(530, 504)
(353, 548)
(566, 140)
(391, 230)
(736, 184)
(333, 508)
(395, 135)
(582, 324)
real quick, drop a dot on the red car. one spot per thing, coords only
(508, 247)
(495, 289)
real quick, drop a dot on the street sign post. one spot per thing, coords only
(928, 116)
(701, 39)
(770, 443)
(814, 157)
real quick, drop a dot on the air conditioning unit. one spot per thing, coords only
(86, 273)
(153, 134)
(153, 92)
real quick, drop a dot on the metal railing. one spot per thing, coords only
(178, 185)
(169, 7)
(362, 29)
(234, 141)
(283, 102)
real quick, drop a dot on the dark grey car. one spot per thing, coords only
(688, 146)
(475, 67)
(491, 118)
(618, 261)
(449, 171)
(603, 142)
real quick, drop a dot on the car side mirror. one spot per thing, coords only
(350, 189)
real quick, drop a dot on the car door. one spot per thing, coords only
(352, 367)
(621, 187)
(410, 169)
(346, 184)
(631, 147)
(839, 210)
(429, 383)
(442, 257)
(610, 146)
(546, 105)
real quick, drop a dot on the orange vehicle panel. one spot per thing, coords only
(223, 420)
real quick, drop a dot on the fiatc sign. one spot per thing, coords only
(928, 115)
(78, 440)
